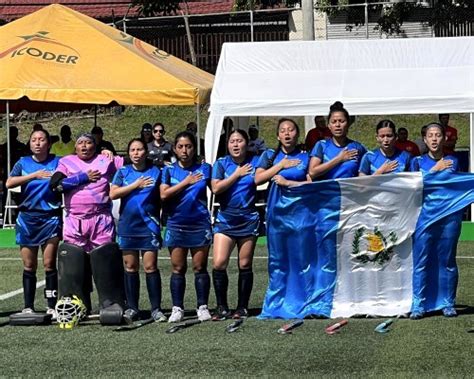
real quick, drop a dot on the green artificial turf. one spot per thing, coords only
(431, 347)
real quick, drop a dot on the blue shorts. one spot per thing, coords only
(151, 242)
(185, 238)
(237, 225)
(36, 230)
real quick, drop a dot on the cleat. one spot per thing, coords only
(177, 315)
(222, 313)
(203, 313)
(449, 312)
(28, 310)
(158, 316)
(130, 315)
(240, 313)
(52, 312)
(416, 315)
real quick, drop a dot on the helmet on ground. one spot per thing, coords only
(70, 310)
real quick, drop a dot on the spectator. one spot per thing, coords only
(420, 141)
(227, 125)
(404, 144)
(146, 133)
(256, 145)
(160, 151)
(319, 132)
(193, 128)
(451, 134)
(66, 145)
(100, 143)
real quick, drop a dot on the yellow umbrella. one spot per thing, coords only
(59, 55)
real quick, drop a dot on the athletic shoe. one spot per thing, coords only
(222, 313)
(28, 310)
(177, 315)
(416, 315)
(158, 316)
(240, 313)
(449, 312)
(52, 312)
(203, 313)
(130, 315)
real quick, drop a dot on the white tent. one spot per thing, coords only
(395, 76)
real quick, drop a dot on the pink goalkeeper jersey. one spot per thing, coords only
(90, 198)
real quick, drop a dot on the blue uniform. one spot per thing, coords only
(297, 173)
(373, 160)
(139, 225)
(425, 163)
(237, 216)
(435, 270)
(327, 150)
(189, 221)
(40, 208)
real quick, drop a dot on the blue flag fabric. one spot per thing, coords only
(343, 247)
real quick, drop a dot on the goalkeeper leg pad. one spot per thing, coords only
(72, 271)
(107, 270)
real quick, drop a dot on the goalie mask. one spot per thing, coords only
(70, 310)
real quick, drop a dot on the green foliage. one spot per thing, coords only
(246, 5)
(149, 8)
(393, 17)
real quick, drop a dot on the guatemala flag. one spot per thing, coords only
(345, 247)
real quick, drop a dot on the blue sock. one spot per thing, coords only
(132, 289)
(29, 288)
(178, 286)
(153, 284)
(51, 288)
(202, 282)
(221, 284)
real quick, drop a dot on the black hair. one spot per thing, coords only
(278, 149)
(386, 124)
(402, 129)
(242, 132)
(158, 124)
(45, 132)
(189, 136)
(442, 114)
(434, 125)
(137, 140)
(338, 107)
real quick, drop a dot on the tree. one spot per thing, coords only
(150, 8)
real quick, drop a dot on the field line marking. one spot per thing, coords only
(19, 291)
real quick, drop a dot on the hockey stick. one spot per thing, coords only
(183, 325)
(287, 328)
(231, 328)
(135, 325)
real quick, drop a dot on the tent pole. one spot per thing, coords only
(95, 115)
(471, 153)
(9, 163)
(198, 133)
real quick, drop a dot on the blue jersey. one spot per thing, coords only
(35, 194)
(373, 160)
(425, 163)
(327, 150)
(241, 194)
(297, 173)
(140, 209)
(188, 209)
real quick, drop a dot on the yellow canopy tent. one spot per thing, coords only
(57, 59)
(62, 56)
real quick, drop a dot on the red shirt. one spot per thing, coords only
(451, 136)
(408, 146)
(315, 135)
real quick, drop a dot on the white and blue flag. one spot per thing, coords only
(339, 248)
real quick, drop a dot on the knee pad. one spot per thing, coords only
(73, 271)
(107, 270)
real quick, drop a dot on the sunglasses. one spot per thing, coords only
(161, 131)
